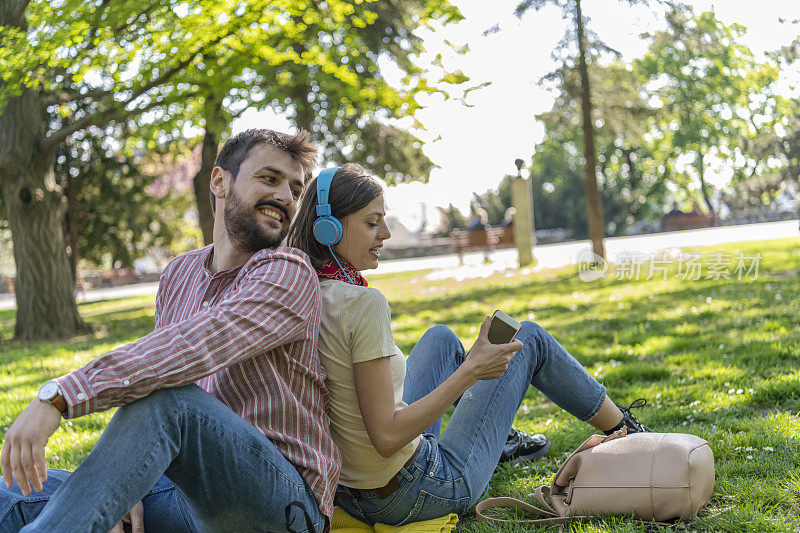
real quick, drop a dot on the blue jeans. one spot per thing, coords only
(449, 474)
(219, 474)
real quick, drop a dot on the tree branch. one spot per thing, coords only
(64, 97)
(147, 12)
(53, 140)
(119, 113)
(174, 70)
(103, 118)
(96, 26)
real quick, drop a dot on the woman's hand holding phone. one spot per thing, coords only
(490, 361)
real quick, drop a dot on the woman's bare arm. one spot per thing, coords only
(389, 429)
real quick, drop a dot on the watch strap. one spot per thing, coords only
(51, 393)
(59, 403)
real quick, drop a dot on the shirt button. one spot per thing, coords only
(205, 304)
(126, 382)
(81, 396)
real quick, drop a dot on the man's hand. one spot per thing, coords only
(134, 519)
(23, 446)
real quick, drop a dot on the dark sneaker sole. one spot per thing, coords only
(538, 454)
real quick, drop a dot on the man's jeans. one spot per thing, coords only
(449, 474)
(220, 474)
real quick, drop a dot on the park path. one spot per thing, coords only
(547, 256)
(566, 253)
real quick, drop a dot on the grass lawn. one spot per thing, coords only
(719, 358)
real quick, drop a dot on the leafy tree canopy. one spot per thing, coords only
(118, 215)
(712, 97)
(157, 63)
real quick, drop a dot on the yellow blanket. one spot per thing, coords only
(344, 523)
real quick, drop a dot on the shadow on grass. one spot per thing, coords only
(682, 317)
(714, 358)
(110, 328)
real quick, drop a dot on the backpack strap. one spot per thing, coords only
(550, 517)
(542, 495)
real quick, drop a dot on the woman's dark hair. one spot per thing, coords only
(352, 189)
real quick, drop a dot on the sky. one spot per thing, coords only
(475, 146)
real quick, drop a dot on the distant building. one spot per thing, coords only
(402, 237)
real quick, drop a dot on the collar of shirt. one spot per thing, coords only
(207, 257)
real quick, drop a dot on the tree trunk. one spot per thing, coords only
(46, 307)
(703, 185)
(215, 124)
(593, 205)
(304, 112)
(71, 224)
(202, 185)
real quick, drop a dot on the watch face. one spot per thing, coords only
(48, 391)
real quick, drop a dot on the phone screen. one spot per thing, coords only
(500, 332)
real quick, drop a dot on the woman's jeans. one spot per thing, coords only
(449, 474)
(221, 474)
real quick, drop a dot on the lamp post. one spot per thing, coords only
(522, 200)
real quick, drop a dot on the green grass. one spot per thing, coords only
(717, 358)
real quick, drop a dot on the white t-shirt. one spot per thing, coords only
(356, 326)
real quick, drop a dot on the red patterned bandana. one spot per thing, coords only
(332, 271)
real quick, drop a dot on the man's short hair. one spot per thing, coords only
(235, 150)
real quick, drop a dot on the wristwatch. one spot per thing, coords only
(50, 393)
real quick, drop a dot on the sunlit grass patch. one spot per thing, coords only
(717, 358)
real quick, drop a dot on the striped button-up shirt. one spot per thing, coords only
(248, 336)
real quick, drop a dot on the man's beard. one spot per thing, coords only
(245, 231)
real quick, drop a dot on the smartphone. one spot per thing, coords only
(503, 328)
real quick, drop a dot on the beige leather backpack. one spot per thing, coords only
(650, 476)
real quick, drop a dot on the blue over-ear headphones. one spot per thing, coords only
(327, 229)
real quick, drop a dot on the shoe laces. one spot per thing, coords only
(635, 404)
(515, 437)
(629, 418)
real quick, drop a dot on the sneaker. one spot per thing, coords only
(523, 447)
(629, 420)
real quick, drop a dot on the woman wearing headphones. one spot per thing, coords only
(385, 411)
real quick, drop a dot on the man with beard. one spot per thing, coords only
(221, 423)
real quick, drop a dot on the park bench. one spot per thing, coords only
(487, 238)
(675, 221)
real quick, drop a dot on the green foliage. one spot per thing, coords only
(632, 178)
(451, 218)
(774, 153)
(117, 216)
(358, 122)
(495, 203)
(756, 192)
(716, 358)
(390, 152)
(712, 97)
(162, 70)
(557, 185)
(158, 65)
(697, 92)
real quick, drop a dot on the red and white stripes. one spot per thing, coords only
(246, 335)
